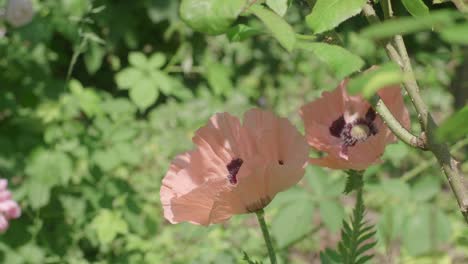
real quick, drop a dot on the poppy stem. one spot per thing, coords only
(266, 235)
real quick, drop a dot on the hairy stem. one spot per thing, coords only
(266, 235)
(440, 150)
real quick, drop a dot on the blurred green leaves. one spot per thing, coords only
(437, 20)
(145, 79)
(107, 225)
(454, 127)
(210, 16)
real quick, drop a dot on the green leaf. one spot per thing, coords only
(278, 27)
(332, 214)
(426, 188)
(406, 25)
(126, 78)
(218, 76)
(210, 16)
(370, 82)
(457, 34)
(425, 230)
(163, 81)
(93, 57)
(241, 32)
(341, 61)
(328, 14)
(454, 127)
(144, 94)
(292, 222)
(416, 7)
(279, 6)
(107, 225)
(138, 59)
(157, 60)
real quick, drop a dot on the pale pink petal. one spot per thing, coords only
(195, 206)
(5, 195)
(3, 184)
(329, 107)
(3, 223)
(276, 139)
(224, 138)
(282, 177)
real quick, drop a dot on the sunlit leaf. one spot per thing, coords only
(278, 27)
(279, 6)
(144, 94)
(210, 16)
(108, 224)
(416, 7)
(371, 81)
(328, 14)
(341, 61)
(457, 34)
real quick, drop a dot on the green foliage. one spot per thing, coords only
(355, 239)
(455, 126)
(370, 82)
(145, 79)
(326, 15)
(435, 20)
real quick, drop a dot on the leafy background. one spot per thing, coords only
(85, 156)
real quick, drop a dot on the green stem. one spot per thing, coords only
(440, 150)
(402, 133)
(266, 236)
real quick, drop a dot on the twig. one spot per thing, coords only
(400, 132)
(440, 150)
(428, 163)
(460, 5)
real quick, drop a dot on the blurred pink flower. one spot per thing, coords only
(9, 209)
(348, 129)
(234, 169)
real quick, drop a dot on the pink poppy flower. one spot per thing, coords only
(9, 209)
(348, 129)
(234, 169)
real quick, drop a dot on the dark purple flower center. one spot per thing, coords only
(233, 168)
(357, 130)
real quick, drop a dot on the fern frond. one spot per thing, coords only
(249, 261)
(355, 235)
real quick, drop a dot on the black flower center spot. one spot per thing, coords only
(233, 168)
(357, 130)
